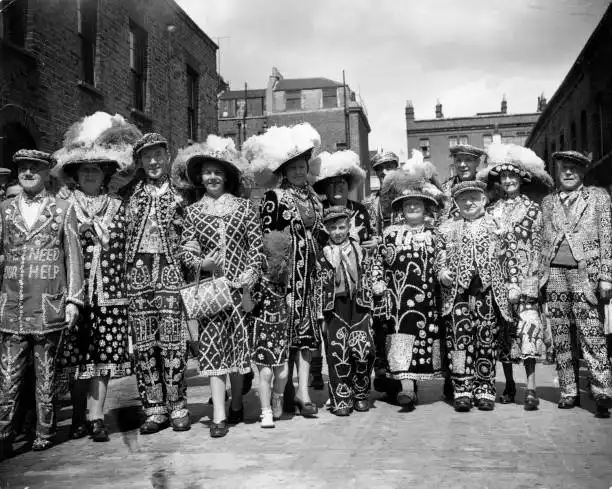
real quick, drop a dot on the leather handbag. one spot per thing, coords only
(207, 298)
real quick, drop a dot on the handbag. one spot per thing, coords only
(206, 298)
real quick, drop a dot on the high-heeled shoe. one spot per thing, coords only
(307, 409)
(509, 394)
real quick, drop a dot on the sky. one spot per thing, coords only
(466, 53)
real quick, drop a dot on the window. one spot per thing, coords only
(573, 136)
(138, 65)
(452, 141)
(87, 27)
(463, 140)
(240, 107)
(487, 139)
(192, 103)
(584, 133)
(255, 107)
(424, 147)
(330, 98)
(546, 151)
(293, 100)
(14, 21)
(226, 108)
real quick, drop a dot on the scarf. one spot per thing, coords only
(568, 199)
(340, 258)
(90, 215)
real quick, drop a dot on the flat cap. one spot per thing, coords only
(468, 185)
(148, 140)
(467, 149)
(573, 156)
(384, 157)
(36, 156)
(335, 212)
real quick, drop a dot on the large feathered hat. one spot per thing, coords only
(268, 153)
(102, 139)
(339, 164)
(187, 165)
(415, 178)
(518, 159)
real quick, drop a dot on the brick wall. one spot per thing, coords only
(44, 78)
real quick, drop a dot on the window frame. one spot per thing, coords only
(193, 99)
(293, 96)
(139, 42)
(87, 26)
(332, 92)
(427, 152)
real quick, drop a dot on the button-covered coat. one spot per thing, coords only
(43, 267)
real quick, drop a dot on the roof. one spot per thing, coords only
(239, 94)
(600, 35)
(467, 123)
(305, 84)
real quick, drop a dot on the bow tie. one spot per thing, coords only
(33, 199)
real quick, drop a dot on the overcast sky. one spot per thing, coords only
(467, 53)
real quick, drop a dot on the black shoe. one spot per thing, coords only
(569, 402)
(508, 395)
(462, 405)
(602, 412)
(181, 424)
(307, 409)
(218, 430)
(603, 400)
(235, 417)
(342, 412)
(407, 399)
(150, 426)
(486, 405)
(247, 382)
(80, 430)
(318, 383)
(99, 433)
(41, 444)
(362, 406)
(531, 400)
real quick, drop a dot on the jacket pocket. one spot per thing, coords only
(54, 308)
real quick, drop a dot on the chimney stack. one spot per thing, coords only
(504, 105)
(409, 111)
(439, 114)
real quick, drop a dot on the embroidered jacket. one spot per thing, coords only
(43, 267)
(450, 209)
(522, 217)
(231, 225)
(104, 236)
(327, 276)
(361, 225)
(587, 229)
(169, 218)
(474, 248)
(379, 222)
(279, 211)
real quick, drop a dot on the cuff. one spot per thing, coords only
(74, 300)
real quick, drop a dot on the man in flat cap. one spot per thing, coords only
(466, 159)
(42, 290)
(155, 222)
(576, 271)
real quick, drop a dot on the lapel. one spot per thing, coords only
(579, 207)
(46, 215)
(18, 221)
(558, 213)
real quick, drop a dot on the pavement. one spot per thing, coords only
(431, 447)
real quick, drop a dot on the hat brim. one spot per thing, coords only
(352, 180)
(307, 153)
(22, 159)
(193, 171)
(150, 145)
(497, 169)
(379, 163)
(109, 167)
(416, 195)
(582, 162)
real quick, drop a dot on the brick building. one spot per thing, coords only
(579, 114)
(339, 117)
(63, 59)
(434, 137)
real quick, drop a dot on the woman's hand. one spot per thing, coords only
(446, 278)
(212, 262)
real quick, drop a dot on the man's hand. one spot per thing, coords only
(72, 314)
(605, 290)
(446, 278)
(370, 244)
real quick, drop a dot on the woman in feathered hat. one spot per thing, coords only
(155, 222)
(406, 278)
(510, 166)
(96, 349)
(222, 239)
(281, 155)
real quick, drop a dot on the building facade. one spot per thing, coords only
(435, 137)
(335, 112)
(63, 59)
(579, 114)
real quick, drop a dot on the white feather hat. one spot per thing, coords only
(339, 164)
(188, 162)
(269, 152)
(519, 159)
(103, 139)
